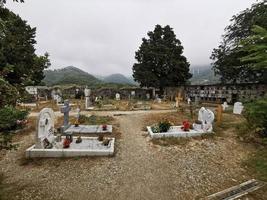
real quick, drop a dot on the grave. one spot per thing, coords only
(238, 108)
(48, 145)
(141, 106)
(204, 125)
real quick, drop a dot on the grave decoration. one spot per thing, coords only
(49, 145)
(202, 125)
(238, 108)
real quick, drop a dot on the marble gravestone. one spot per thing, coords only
(45, 127)
(238, 108)
(118, 96)
(206, 117)
(87, 93)
(66, 109)
(147, 96)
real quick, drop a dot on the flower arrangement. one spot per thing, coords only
(161, 127)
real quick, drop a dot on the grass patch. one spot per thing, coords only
(95, 120)
(257, 163)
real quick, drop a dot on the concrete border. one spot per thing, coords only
(173, 133)
(31, 152)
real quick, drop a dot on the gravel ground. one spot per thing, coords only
(139, 170)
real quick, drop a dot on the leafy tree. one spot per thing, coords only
(255, 47)
(226, 58)
(160, 62)
(19, 65)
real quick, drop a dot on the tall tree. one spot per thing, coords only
(19, 65)
(226, 58)
(255, 48)
(160, 62)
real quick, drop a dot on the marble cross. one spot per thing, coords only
(66, 109)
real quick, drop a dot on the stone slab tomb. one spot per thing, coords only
(48, 145)
(89, 129)
(205, 118)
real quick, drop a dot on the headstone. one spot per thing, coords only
(45, 127)
(224, 105)
(87, 93)
(238, 108)
(66, 109)
(58, 99)
(147, 96)
(118, 96)
(188, 101)
(133, 93)
(206, 116)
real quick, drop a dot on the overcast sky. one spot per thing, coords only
(101, 36)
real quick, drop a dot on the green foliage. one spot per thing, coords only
(227, 56)
(19, 65)
(258, 164)
(161, 127)
(256, 114)
(160, 62)
(255, 48)
(8, 93)
(9, 116)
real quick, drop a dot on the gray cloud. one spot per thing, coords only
(101, 36)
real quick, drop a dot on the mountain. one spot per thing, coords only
(118, 78)
(69, 75)
(203, 75)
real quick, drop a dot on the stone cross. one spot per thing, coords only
(178, 99)
(66, 109)
(224, 105)
(45, 127)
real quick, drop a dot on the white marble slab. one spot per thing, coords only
(88, 129)
(89, 146)
(175, 131)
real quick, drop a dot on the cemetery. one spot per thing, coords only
(131, 100)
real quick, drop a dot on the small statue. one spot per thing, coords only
(78, 140)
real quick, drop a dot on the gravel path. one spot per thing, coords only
(139, 170)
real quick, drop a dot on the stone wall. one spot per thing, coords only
(219, 93)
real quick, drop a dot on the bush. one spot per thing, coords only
(256, 115)
(9, 118)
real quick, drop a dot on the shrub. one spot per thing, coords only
(256, 115)
(9, 118)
